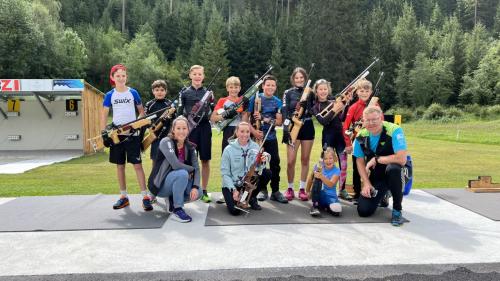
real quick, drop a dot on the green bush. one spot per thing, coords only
(483, 113)
(472, 108)
(494, 110)
(419, 112)
(434, 112)
(407, 114)
(453, 113)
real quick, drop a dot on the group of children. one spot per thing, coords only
(178, 177)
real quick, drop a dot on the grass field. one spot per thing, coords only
(444, 155)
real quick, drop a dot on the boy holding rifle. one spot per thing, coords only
(159, 88)
(271, 110)
(202, 134)
(124, 101)
(355, 114)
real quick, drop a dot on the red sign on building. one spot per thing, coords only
(10, 85)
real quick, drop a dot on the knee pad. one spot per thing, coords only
(336, 208)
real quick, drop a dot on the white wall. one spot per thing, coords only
(37, 131)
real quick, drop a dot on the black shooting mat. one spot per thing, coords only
(484, 204)
(295, 212)
(77, 212)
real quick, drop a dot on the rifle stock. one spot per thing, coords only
(152, 132)
(97, 142)
(311, 178)
(257, 108)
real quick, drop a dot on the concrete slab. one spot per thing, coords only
(439, 233)
(18, 162)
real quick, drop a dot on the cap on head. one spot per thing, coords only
(114, 69)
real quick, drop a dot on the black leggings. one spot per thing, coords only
(226, 134)
(316, 191)
(228, 195)
(271, 147)
(393, 182)
(356, 179)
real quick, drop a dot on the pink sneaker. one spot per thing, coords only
(303, 195)
(289, 194)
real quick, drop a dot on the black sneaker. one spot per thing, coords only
(121, 203)
(254, 204)
(385, 201)
(278, 197)
(263, 195)
(146, 204)
(314, 212)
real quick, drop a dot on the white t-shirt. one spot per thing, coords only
(123, 105)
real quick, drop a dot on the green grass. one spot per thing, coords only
(444, 155)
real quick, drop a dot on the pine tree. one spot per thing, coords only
(476, 46)
(213, 54)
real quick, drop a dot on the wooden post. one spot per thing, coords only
(483, 184)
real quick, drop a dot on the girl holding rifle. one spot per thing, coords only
(305, 138)
(332, 134)
(324, 193)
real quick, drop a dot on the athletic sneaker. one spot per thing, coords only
(303, 195)
(314, 212)
(121, 203)
(397, 218)
(181, 216)
(263, 195)
(345, 195)
(384, 203)
(221, 200)
(146, 204)
(254, 204)
(278, 196)
(205, 198)
(289, 194)
(153, 199)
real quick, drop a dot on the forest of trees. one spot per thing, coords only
(431, 51)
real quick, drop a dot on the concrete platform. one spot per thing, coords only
(439, 233)
(17, 162)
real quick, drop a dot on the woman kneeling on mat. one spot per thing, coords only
(237, 159)
(176, 173)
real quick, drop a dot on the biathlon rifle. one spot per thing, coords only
(342, 99)
(109, 136)
(248, 183)
(155, 129)
(200, 106)
(221, 125)
(319, 168)
(373, 100)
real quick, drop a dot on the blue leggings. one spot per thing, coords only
(178, 185)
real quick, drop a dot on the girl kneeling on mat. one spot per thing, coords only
(324, 189)
(237, 159)
(176, 173)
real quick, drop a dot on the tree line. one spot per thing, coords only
(431, 51)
